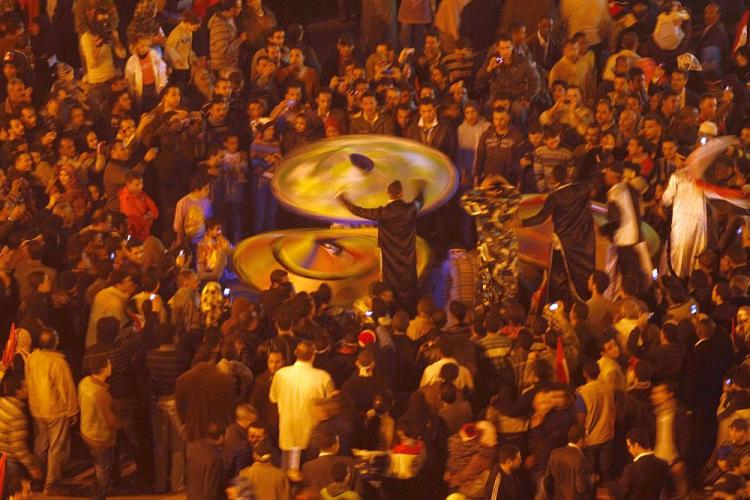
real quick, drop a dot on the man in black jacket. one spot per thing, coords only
(647, 476)
(397, 236)
(503, 484)
(573, 259)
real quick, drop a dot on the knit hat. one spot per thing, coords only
(366, 337)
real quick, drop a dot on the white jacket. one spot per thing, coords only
(134, 74)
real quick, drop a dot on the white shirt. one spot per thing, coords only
(628, 233)
(641, 455)
(295, 389)
(432, 374)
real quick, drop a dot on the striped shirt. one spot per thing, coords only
(545, 161)
(165, 367)
(14, 431)
(495, 348)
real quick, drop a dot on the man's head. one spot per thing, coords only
(134, 182)
(99, 366)
(738, 431)
(244, 415)
(652, 127)
(545, 26)
(500, 119)
(678, 80)
(275, 361)
(39, 282)
(604, 112)
(122, 281)
(296, 57)
(711, 14)
(431, 42)
(637, 441)
(509, 457)
(577, 435)
(504, 46)
(200, 185)
(571, 50)
(427, 111)
(256, 432)
(142, 45)
(395, 190)
(305, 351)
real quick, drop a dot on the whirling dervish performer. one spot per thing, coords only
(574, 240)
(689, 235)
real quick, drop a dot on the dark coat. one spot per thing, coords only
(205, 471)
(502, 486)
(705, 366)
(643, 479)
(443, 138)
(574, 225)
(318, 473)
(397, 237)
(567, 474)
(554, 51)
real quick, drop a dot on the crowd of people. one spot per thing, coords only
(137, 148)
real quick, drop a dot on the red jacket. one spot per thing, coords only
(140, 210)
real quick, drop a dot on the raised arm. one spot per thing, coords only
(373, 214)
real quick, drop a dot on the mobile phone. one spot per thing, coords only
(694, 309)
(368, 313)
(728, 381)
(739, 230)
(703, 140)
(52, 60)
(553, 307)
(650, 315)
(152, 296)
(112, 256)
(182, 252)
(226, 292)
(499, 60)
(654, 274)
(128, 238)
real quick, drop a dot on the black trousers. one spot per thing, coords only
(628, 262)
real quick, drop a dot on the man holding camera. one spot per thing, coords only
(97, 46)
(510, 74)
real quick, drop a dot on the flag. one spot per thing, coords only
(740, 39)
(736, 197)
(2, 474)
(10, 346)
(561, 365)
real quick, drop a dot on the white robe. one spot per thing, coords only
(689, 232)
(295, 389)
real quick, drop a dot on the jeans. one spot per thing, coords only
(600, 459)
(103, 458)
(411, 35)
(52, 443)
(264, 216)
(169, 447)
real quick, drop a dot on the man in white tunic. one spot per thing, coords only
(295, 389)
(689, 235)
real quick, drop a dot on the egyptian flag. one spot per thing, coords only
(10, 346)
(740, 39)
(561, 365)
(3, 459)
(736, 197)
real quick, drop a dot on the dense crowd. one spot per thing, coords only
(137, 147)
